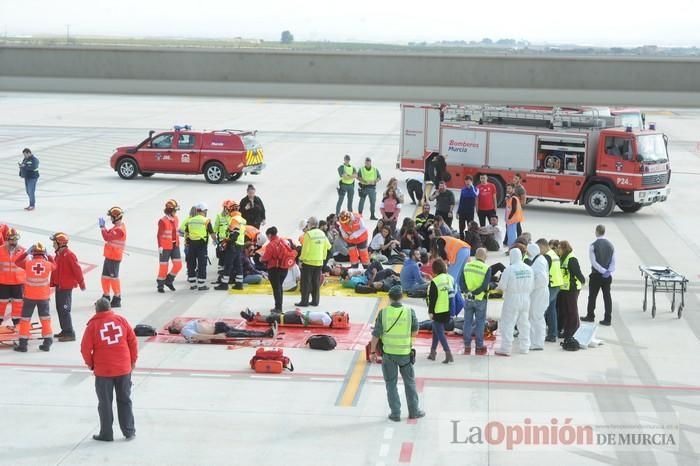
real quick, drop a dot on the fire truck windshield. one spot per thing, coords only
(631, 119)
(250, 142)
(652, 148)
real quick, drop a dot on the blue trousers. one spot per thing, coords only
(30, 186)
(474, 322)
(550, 315)
(457, 269)
(345, 190)
(439, 335)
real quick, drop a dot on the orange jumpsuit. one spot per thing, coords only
(356, 235)
(168, 249)
(115, 241)
(37, 291)
(12, 280)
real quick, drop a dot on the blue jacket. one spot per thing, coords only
(467, 198)
(410, 275)
(29, 168)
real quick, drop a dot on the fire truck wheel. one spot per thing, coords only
(500, 190)
(147, 174)
(599, 201)
(630, 208)
(127, 168)
(234, 176)
(214, 173)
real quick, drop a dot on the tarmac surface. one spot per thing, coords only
(201, 404)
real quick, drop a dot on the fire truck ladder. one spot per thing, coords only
(554, 118)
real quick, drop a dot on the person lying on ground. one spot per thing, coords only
(206, 330)
(296, 317)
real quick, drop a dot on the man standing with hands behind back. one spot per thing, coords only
(346, 184)
(602, 256)
(110, 350)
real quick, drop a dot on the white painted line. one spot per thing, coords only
(208, 375)
(34, 369)
(384, 450)
(327, 379)
(80, 370)
(269, 377)
(388, 433)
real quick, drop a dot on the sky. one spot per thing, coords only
(589, 22)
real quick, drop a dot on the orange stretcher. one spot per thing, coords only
(10, 335)
(340, 320)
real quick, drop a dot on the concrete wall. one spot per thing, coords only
(364, 76)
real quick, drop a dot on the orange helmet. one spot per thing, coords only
(345, 217)
(60, 238)
(230, 205)
(171, 204)
(38, 249)
(116, 213)
(12, 233)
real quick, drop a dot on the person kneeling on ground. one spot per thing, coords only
(204, 330)
(296, 317)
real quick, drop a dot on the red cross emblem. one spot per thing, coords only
(38, 268)
(111, 333)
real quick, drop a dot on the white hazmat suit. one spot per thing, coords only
(516, 283)
(539, 298)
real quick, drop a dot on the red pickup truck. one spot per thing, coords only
(218, 155)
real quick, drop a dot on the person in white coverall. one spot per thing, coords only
(539, 298)
(516, 284)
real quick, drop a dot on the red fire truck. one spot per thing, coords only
(218, 155)
(562, 155)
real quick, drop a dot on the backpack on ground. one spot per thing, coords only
(321, 342)
(270, 361)
(143, 330)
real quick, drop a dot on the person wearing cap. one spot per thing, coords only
(314, 250)
(396, 326)
(168, 247)
(12, 277)
(66, 275)
(29, 170)
(37, 290)
(198, 229)
(252, 208)
(110, 350)
(368, 177)
(346, 184)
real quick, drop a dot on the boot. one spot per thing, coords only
(46, 345)
(248, 315)
(221, 286)
(22, 345)
(169, 282)
(116, 301)
(161, 284)
(432, 355)
(448, 357)
(238, 286)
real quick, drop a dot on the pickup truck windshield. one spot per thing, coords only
(652, 148)
(250, 142)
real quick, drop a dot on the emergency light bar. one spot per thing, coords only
(181, 127)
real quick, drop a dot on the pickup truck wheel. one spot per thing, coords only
(214, 172)
(630, 208)
(599, 201)
(127, 168)
(147, 174)
(234, 176)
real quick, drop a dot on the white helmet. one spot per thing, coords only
(202, 206)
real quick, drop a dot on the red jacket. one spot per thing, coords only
(67, 273)
(109, 346)
(275, 253)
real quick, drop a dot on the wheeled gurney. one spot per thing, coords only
(663, 280)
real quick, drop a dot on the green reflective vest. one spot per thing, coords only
(347, 170)
(445, 285)
(555, 276)
(474, 275)
(315, 247)
(566, 277)
(396, 324)
(368, 175)
(221, 225)
(196, 227)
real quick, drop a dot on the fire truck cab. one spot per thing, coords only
(218, 155)
(561, 155)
